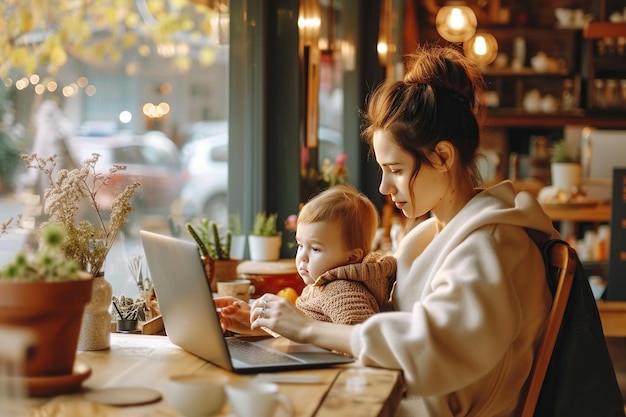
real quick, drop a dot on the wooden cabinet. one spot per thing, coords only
(605, 47)
(506, 87)
(513, 76)
(593, 62)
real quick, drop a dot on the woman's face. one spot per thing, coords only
(397, 166)
(320, 248)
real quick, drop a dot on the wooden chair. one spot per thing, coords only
(562, 261)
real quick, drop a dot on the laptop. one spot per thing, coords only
(192, 321)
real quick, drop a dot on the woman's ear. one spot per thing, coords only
(444, 155)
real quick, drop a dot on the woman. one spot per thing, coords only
(471, 298)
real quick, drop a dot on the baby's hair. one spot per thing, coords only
(350, 209)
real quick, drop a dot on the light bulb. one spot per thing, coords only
(480, 45)
(456, 23)
(456, 19)
(482, 48)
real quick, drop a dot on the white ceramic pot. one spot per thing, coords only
(238, 247)
(566, 175)
(264, 248)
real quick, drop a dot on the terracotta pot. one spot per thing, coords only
(220, 270)
(53, 311)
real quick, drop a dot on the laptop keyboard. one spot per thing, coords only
(252, 354)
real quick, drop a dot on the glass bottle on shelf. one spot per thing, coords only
(540, 159)
(567, 96)
(612, 94)
(598, 93)
(519, 51)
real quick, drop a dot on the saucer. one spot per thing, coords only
(120, 396)
(58, 384)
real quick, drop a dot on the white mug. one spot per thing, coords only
(240, 288)
(257, 398)
(197, 395)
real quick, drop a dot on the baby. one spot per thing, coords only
(346, 282)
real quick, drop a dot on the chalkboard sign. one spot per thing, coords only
(616, 289)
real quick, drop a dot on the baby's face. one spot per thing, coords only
(320, 248)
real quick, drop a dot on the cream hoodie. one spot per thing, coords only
(471, 302)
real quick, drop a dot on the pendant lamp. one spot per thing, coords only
(482, 48)
(456, 22)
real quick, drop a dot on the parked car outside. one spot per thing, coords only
(205, 195)
(151, 159)
(204, 129)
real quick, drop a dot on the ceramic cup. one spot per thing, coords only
(240, 288)
(257, 398)
(197, 395)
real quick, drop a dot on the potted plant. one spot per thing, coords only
(265, 240)
(45, 292)
(214, 251)
(238, 241)
(70, 194)
(565, 166)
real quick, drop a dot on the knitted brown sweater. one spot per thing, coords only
(351, 293)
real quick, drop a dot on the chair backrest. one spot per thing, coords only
(562, 261)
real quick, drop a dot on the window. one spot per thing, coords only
(134, 99)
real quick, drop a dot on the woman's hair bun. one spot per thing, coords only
(447, 68)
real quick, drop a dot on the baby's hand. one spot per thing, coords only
(234, 314)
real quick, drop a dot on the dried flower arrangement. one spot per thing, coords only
(84, 243)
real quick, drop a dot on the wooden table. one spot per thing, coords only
(147, 361)
(573, 213)
(613, 316)
(570, 215)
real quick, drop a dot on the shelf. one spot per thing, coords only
(520, 118)
(524, 72)
(597, 30)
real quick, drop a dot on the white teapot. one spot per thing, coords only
(532, 101)
(549, 104)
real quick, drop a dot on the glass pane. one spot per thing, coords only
(136, 85)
